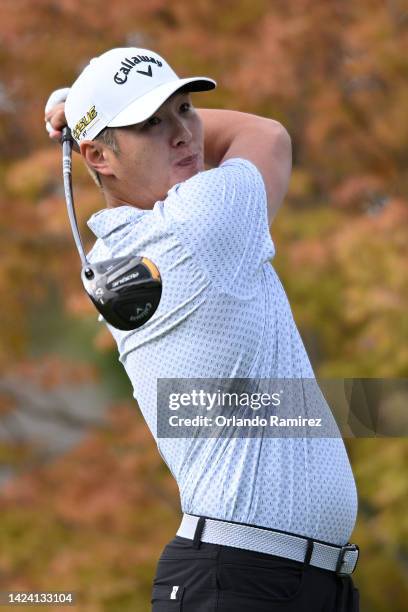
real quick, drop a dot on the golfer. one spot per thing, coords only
(266, 521)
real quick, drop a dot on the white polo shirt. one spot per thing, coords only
(224, 314)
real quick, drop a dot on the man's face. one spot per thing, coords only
(152, 154)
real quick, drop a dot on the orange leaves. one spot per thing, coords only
(104, 340)
(33, 177)
(105, 482)
(52, 371)
(345, 275)
(7, 404)
(93, 521)
(357, 191)
(263, 69)
(301, 185)
(309, 253)
(332, 73)
(78, 303)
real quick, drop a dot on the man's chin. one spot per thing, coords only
(185, 173)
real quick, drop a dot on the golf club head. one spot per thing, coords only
(125, 290)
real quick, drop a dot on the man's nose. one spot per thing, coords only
(181, 133)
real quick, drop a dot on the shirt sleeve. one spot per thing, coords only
(221, 216)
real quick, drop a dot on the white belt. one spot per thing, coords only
(339, 559)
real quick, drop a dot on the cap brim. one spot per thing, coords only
(144, 107)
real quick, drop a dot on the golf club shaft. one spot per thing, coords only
(67, 172)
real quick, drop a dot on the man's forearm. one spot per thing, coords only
(220, 129)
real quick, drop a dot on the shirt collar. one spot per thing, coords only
(107, 220)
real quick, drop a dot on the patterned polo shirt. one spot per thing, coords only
(224, 314)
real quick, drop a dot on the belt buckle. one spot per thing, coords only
(340, 561)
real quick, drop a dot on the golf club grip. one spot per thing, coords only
(67, 174)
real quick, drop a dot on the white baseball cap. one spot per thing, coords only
(121, 87)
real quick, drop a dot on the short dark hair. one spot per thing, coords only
(107, 137)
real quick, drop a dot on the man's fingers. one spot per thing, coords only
(54, 114)
(57, 96)
(55, 120)
(53, 133)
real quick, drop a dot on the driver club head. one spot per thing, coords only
(125, 290)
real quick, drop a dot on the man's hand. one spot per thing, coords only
(54, 113)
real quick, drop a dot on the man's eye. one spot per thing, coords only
(186, 106)
(152, 121)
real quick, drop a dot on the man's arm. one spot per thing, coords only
(228, 134)
(264, 142)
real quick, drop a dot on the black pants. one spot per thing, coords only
(215, 578)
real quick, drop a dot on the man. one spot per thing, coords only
(265, 519)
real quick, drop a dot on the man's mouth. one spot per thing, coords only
(188, 161)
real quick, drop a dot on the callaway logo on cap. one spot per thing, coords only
(122, 87)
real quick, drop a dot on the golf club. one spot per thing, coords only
(125, 290)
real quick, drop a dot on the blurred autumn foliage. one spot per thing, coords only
(335, 74)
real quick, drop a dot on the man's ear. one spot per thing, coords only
(98, 156)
